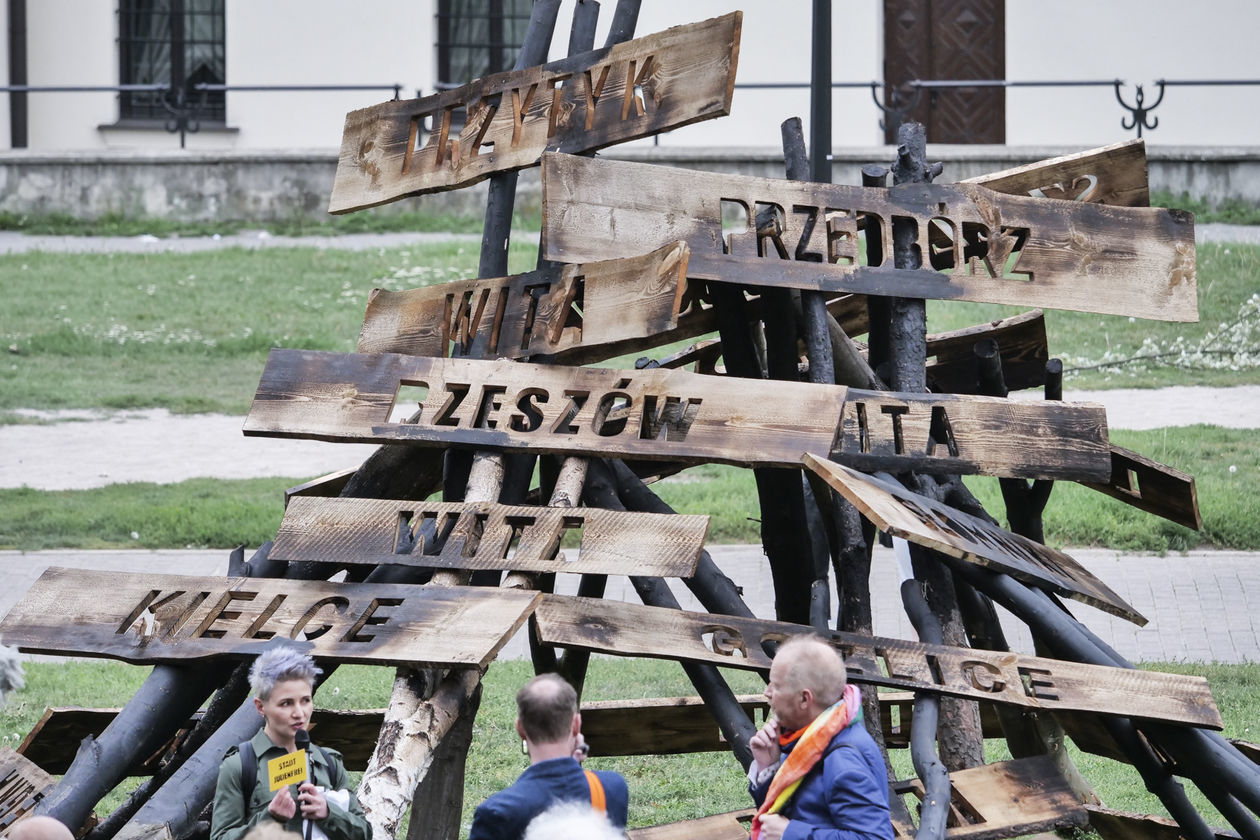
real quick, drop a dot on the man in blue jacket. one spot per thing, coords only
(816, 772)
(547, 718)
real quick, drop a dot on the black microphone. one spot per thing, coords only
(302, 741)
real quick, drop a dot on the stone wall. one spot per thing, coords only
(260, 186)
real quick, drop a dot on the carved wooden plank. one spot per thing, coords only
(1021, 250)
(729, 826)
(517, 537)
(1006, 799)
(674, 725)
(22, 786)
(658, 725)
(577, 104)
(1153, 487)
(1122, 825)
(673, 415)
(935, 525)
(143, 618)
(989, 676)
(951, 362)
(54, 740)
(1115, 175)
(551, 311)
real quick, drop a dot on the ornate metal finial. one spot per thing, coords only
(898, 107)
(1140, 110)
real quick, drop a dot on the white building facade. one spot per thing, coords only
(387, 42)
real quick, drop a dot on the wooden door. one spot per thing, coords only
(948, 39)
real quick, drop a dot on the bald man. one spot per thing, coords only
(816, 771)
(547, 719)
(40, 828)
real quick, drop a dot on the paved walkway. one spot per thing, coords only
(12, 242)
(1197, 604)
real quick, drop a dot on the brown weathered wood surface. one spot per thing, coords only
(673, 725)
(577, 104)
(935, 525)
(996, 677)
(143, 618)
(1006, 799)
(22, 786)
(1122, 825)
(1151, 486)
(54, 740)
(951, 360)
(1115, 175)
(516, 537)
(552, 311)
(729, 826)
(1022, 251)
(673, 415)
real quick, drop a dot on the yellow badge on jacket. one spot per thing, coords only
(287, 770)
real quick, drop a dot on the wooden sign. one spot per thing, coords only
(1151, 486)
(989, 676)
(22, 786)
(671, 415)
(521, 538)
(1114, 175)
(1005, 799)
(732, 825)
(1122, 825)
(54, 740)
(144, 618)
(935, 525)
(1020, 250)
(286, 770)
(951, 360)
(504, 121)
(549, 311)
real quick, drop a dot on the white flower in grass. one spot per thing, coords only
(135, 535)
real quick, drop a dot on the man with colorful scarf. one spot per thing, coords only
(816, 772)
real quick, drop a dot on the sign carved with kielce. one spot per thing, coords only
(1017, 250)
(669, 415)
(517, 537)
(143, 618)
(505, 121)
(996, 676)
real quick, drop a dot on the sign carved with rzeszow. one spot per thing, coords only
(669, 415)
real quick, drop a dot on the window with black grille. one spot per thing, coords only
(478, 37)
(176, 43)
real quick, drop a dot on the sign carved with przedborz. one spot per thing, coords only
(578, 104)
(996, 676)
(517, 537)
(1018, 250)
(669, 415)
(934, 525)
(143, 618)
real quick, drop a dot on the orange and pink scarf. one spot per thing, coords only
(811, 744)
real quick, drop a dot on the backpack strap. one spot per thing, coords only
(249, 771)
(597, 792)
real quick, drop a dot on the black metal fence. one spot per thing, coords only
(185, 111)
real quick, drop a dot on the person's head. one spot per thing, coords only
(40, 828)
(547, 713)
(806, 677)
(283, 680)
(571, 821)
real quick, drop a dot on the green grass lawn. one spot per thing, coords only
(662, 788)
(208, 513)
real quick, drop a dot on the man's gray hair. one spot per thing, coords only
(571, 819)
(279, 664)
